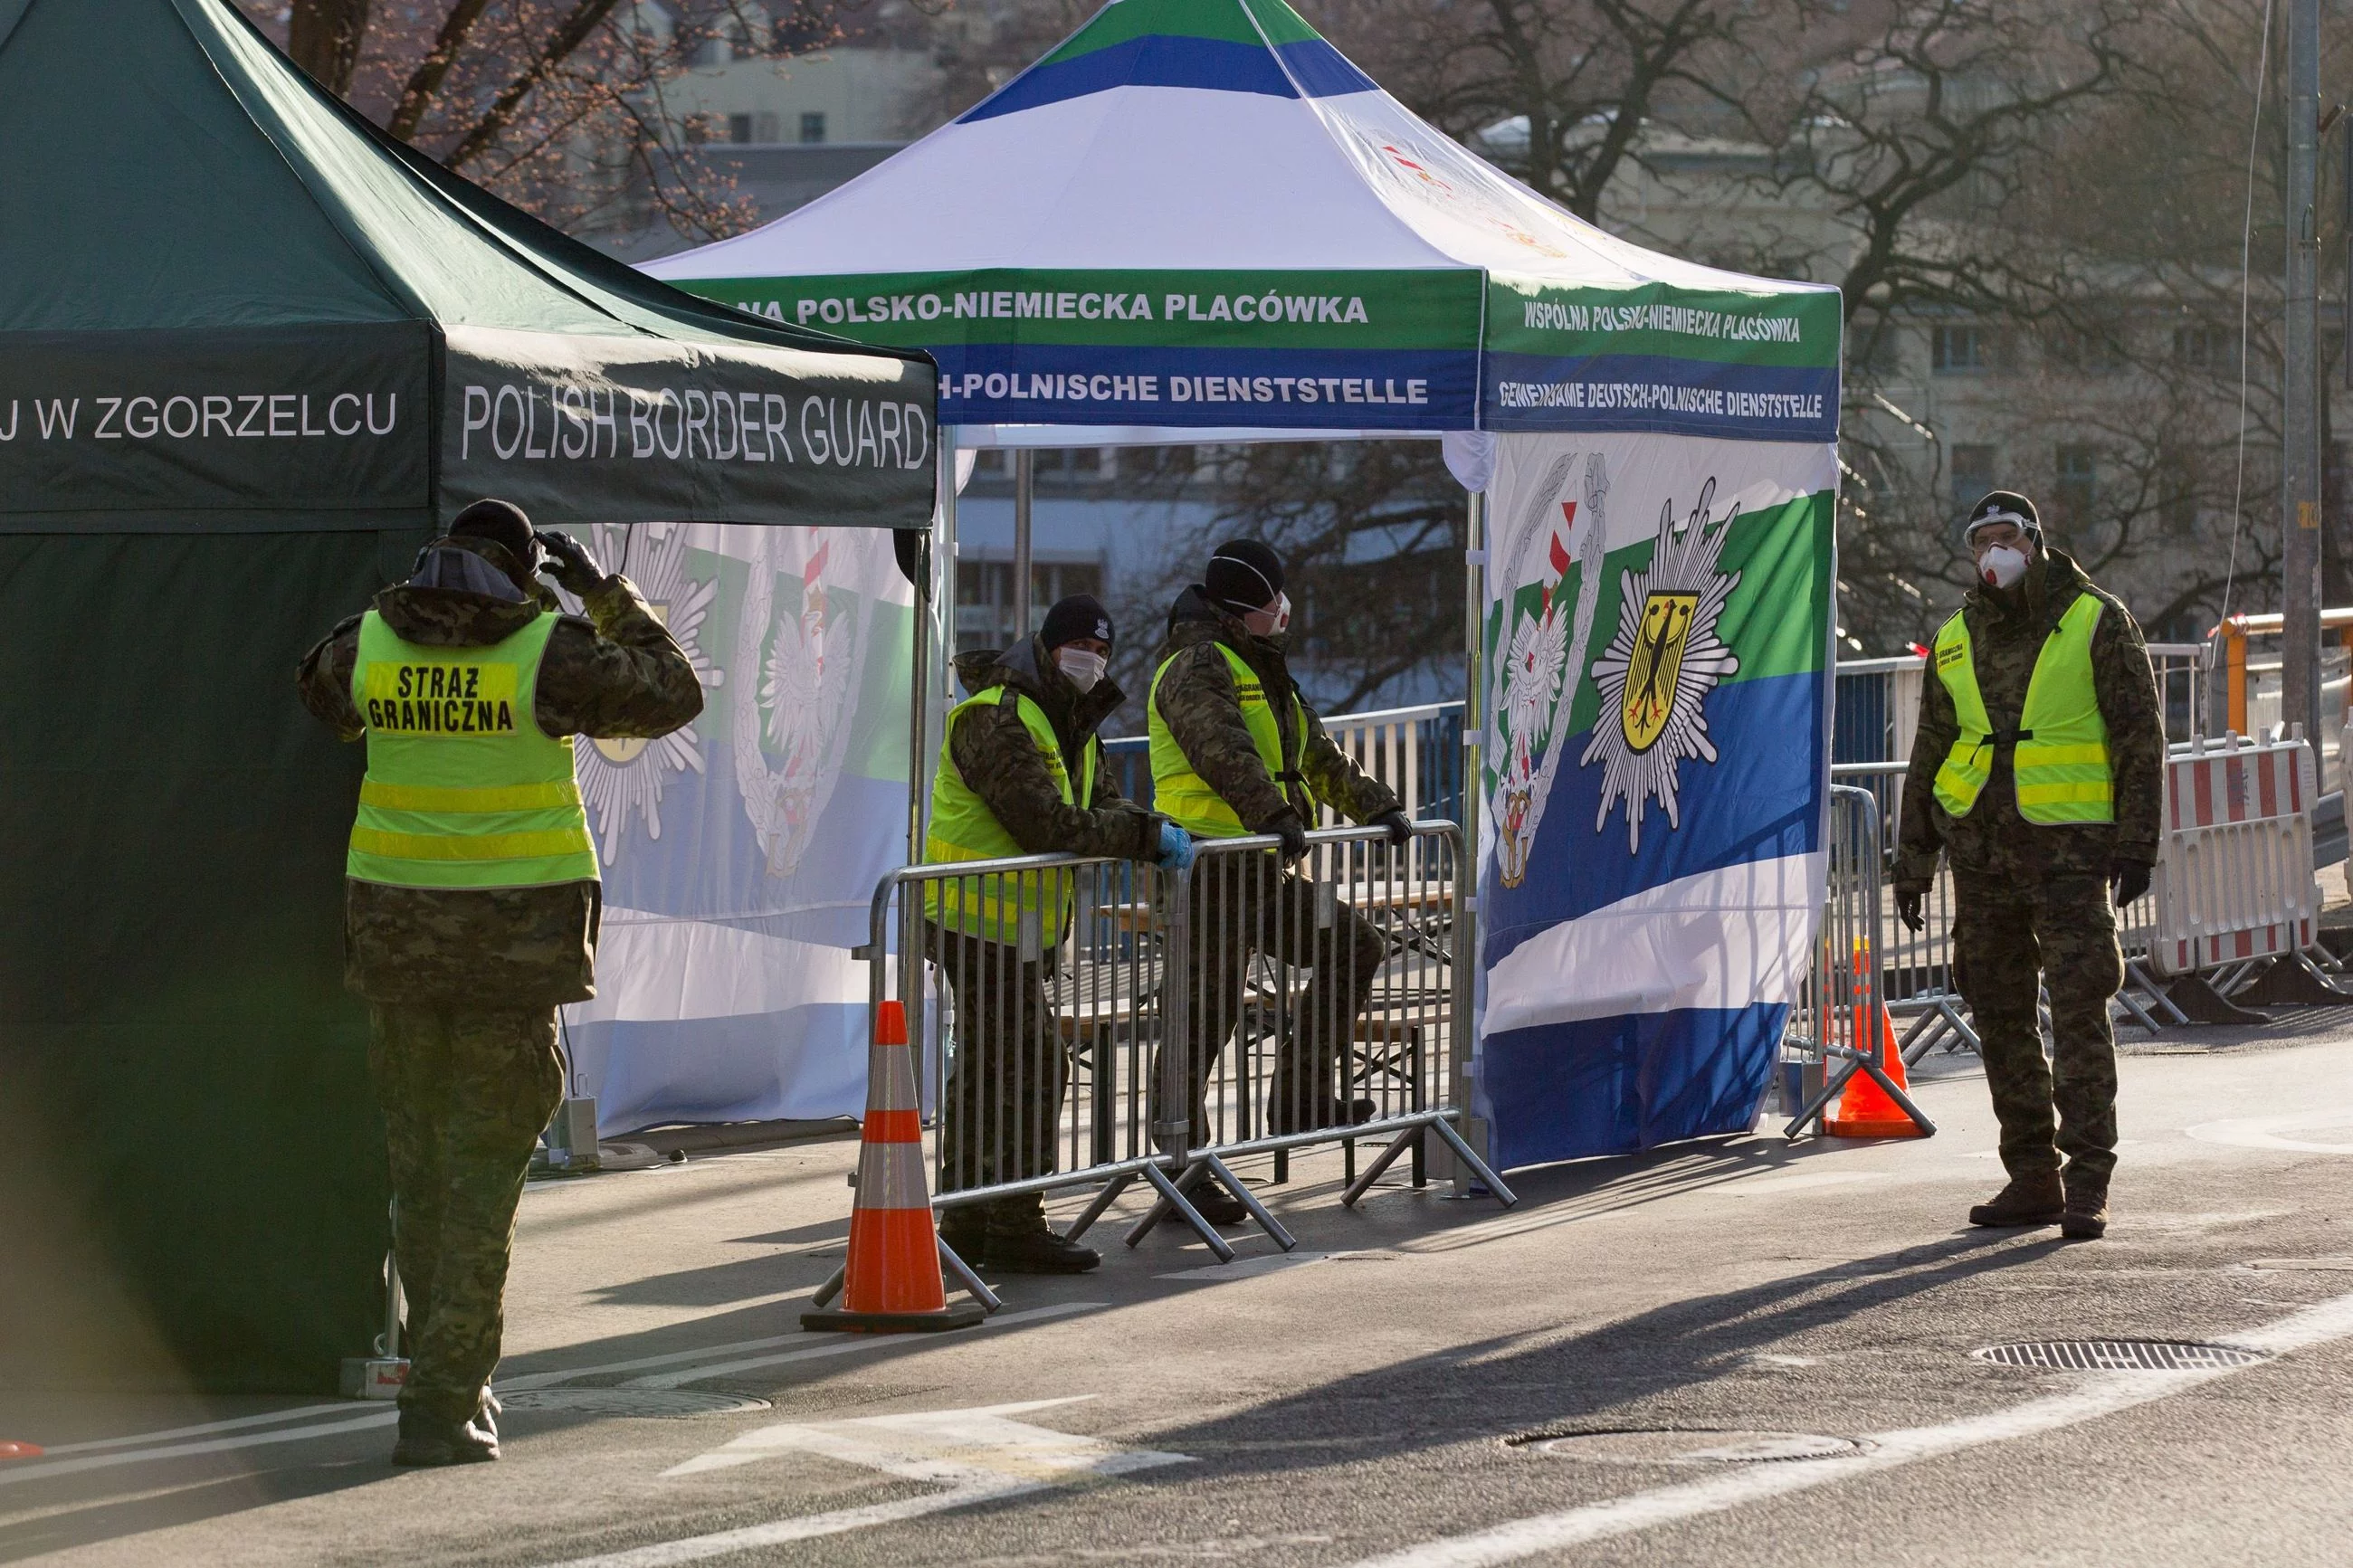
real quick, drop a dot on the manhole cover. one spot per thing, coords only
(654, 1401)
(2118, 1356)
(1686, 1445)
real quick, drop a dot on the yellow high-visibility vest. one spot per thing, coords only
(2060, 762)
(1184, 796)
(463, 788)
(963, 828)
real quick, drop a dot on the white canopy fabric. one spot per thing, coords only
(1196, 214)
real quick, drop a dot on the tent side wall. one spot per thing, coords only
(194, 1193)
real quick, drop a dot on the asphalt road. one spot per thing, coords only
(1748, 1352)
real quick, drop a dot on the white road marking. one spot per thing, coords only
(2263, 1132)
(161, 1448)
(2102, 1394)
(843, 1344)
(41, 1468)
(981, 1455)
(341, 1407)
(1243, 1268)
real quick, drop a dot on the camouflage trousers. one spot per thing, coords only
(1248, 906)
(2061, 930)
(465, 1094)
(1005, 1091)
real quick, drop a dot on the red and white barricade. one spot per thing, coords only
(2234, 876)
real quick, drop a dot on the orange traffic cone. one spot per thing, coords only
(1864, 1109)
(891, 1281)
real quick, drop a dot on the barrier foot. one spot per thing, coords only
(972, 1282)
(1249, 1200)
(1094, 1210)
(2199, 1003)
(2293, 982)
(2131, 1005)
(1388, 1157)
(2140, 976)
(1462, 1152)
(1903, 1100)
(830, 1289)
(1835, 1086)
(1172, 1201)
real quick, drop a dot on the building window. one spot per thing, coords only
(812, 128)
(2076, 484)
(739, 128)
(983, 617)
(1952, 349)
(2207, 348)
(1973, 474)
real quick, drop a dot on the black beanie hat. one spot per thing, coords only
(2002, 506)
(1080, 615)
(503, 523)
(1244, 576)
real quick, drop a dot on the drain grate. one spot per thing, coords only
(660, 1403)
(2118, 1356)
(1684, 1445)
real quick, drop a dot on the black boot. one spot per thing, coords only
(2027, 1200)
(2087, 1215)
(1021, 1242)
(966, 1230)
(430, 1440)
(1213, 1202)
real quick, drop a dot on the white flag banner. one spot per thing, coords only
(741, 852)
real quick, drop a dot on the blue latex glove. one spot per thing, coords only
(1175, 847)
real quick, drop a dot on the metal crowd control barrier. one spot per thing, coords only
(1836, 1021)
(2234, 876)
(1093, 1022)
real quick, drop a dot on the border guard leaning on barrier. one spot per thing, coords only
(474, 899)
(1237, 751)
(1021, 773)
(2038, 770)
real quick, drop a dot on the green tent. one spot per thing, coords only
(252, 353)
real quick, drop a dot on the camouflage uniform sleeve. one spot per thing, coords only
(993, 749)
(2127, 695)
(1204, 714)
(1916, 847)
(1336, 779)
(624, 677)
(325, 680)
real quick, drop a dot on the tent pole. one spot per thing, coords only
(1467, 921)
(934, 623)
(1025, 486)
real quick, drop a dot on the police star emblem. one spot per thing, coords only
(622, 779)
(1656, 673)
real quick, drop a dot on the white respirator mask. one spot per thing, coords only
(1083, 669)
(2002, 565)
(1271, 623)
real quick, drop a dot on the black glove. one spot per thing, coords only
(2128, 880)
(569, 562)
(1293, 833)
(1399, 824)
(1907, 908)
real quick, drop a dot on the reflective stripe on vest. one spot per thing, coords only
(463, 788)
(1185, 797)
(963, 828)
(2060, 764)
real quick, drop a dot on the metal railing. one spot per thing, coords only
(1835, 1026)
(1416, 751)
(1093, 1022)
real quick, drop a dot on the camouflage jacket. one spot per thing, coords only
(615, 674)
(1197, 702)
(2006, 631)
(992, 751)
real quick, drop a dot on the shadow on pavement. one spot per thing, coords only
(1482, 1389)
